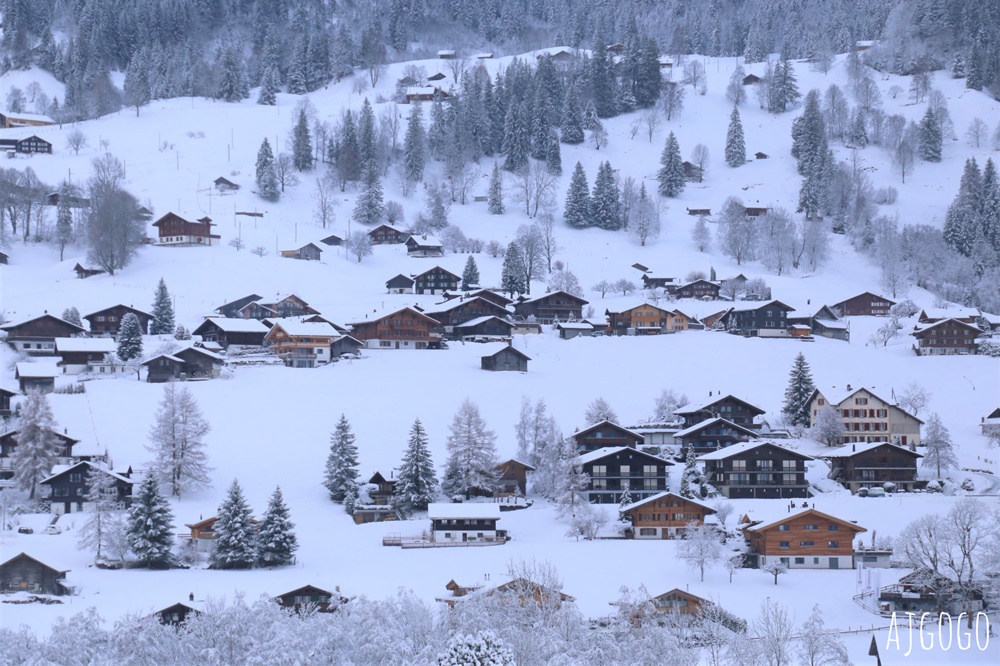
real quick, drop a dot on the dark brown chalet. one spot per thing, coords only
(701, 289)
(332, 240)
(68, 488)
(84, 273)
(288, 305)
(653, 282)
(808, 539)
(552, 307)
(175, 231)
(757, 470)
(402, 329)
(454, 312)
(506, 358)
(379, 506)
(713, 434)
(488, 294)
(866, 304)
(615, 469)
(385, 234)
(4, 258)
(768, 319)
(513, 477)
(401, 284)
(435, 281)
(37, 336)
(489, 328)
(163, 368)
(233, 308)
(604, 434)
(872, 465)
(23, 573)
(226, 332)
(751, 79)
(310, 596)
(665, 515)
(642, 319)
(8, 442)
(5, 397)
(946, 337)
(728, 407)
(108, 320)
(176, 615)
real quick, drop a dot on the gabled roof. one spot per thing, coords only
(454, 303)
(812, 512)
(536, 299)
(507, 349)
(701, 425)
(297, 328)
(232, 325)
(628, 307)
(259, 305)
(22, 556)
(851, 450)
(6, 393)
(694, 408)
(239, 302)
(864, 293)
(835, 396)
(106, 345)
(575, 326)
(682, 593)
(614, 426)
(191, 349)
(515, 461)
(921, 330)
(930, 314)
(405, 279)
(390, 227)
(436, 268)
(423, 241)
(439, 510)
(743, 447)
(41, 369)
(394, 313)
(312, 590)
(659, 496)
(698, 281)
(119, 305)
(169, 357)
(757, 305)
(12, 325)
(302, 247)
(482, 320)
(90, 466)
(606, 451)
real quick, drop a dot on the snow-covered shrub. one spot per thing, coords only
(886, 196)
(933, 487)
(484, 649)
(968, 485)
(988, 347)
(904, 309)
(889, 487)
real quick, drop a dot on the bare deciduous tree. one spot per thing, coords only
(76, 140)
(324, 198)
(977, 133)
(359, 244)
(651, 119)
(284, 169)
(700, 158)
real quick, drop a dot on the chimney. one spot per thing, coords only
(849, 388)
(191, 597)
(854, 447)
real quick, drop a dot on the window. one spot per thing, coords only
(647, 531)
(788, 464)
(599, 470)
(810, 528)
(764, 464)
(75, 477)
(800, 560)
(599, 484)
(782, 544)
(782, 528)
(624, 470)
(833, 527)
(789, 479)
(650, 484)
(806, 544)
(649, 470)
(739, 465)
(834, 544)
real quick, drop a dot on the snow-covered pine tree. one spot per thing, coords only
(691, 477)
(150, 526)
(177, 440)
(414, 145)
(572, 117)
(37, 448)
(736, 149)
(577, 211)
(599, 410)
(267, 178)
(269, 86)
(103, 503)
(417, 481)
(789, 94)
(437, 133)
(494, 200)
(342, 462)
(857, 133)
(130, 337)
(570, 479)
(602, 81)
(605, 202)
(483, 647)
(235, 545)
(939, 455)
(64, 220)
(553, 156)
(800, 387)
(302, 150)
(930, 137)
(72, 315)
(366, 131)
(471, 464)
(512, 273)
(470, 276)
(163, 311)
(516, 139)
(625, 500)
(276, 542)
(232, 84)
(370, 206)
(671, 173)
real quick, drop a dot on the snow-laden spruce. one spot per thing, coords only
(37, 448)
(800, 387)
(472, 455)
(276, 542)
(177, 440)
(235, 541)
(341, 477)
(163, 311)
(150, 528)
(416, 484)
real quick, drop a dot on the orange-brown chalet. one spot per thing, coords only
(665, 515)
(808, 539)
(403, 329)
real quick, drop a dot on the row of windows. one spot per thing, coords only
(625, 470)
(763, 478)
(662, 517)
(866, 427)
(739, 465)
(809, 544)
(647, 484)
(863, 413)
(831, 527)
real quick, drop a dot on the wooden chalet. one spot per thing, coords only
(650, 281)
(72, 200)
(29, 145)
(713, 434)
(680, 602)
(188, 363)
(605, 434)
(519, 591)
(714, 320)
(308, 252)
(233, 308)
(728, 406)
(223, 184)
(757, 470)
(177, 614)
(37, 336)
(513, 477)
(227, 332)
(506, 358)
(163, 368)
(85, 354)
(923, 591)
(464, 522)
(67, 488)
(699, 212)
(37, 376)
(345, 345)
(301, 344)
(808, 539)
(866, 417)
(282, 306)
(571, 329)
(8, 442)
(424, 246)
(873, 465)
(23, 573)
(642, 319)
(203, 532)
(5, 397)
(865, 304)
(692, 172)
(488, 294)
(458, 311)
(987, 424)
(175, 231)
(946, 337)
(11, 120)
(109, 320)
(436, 280)
(333, 240)
(614, 470)
(760, 156)
(552, 307)
(424, 94)
(751, 79)
(935, 315)
(380, 505)
(311, 597)
(665, 515)
(386, 234)
(703, 290)
(402, 329)
(83, 273)
(489, 328)
(768, 319)
(822, 321)
(401, 284)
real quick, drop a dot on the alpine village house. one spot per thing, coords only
(866, 417)
(808, 539)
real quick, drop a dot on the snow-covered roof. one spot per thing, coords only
(549, 295)
(39, 369)
(238, 325)
(298, 327)
(202, 351)
(62, 469)
(15, 324)
(591, 456)
(575, 325)
(492, 350)
(783, 519)
(448, 306)
(659, 496)
(701, 425)
(693, 407)
(169, 357)
(920, 328)
(955, 312)
(420, 90)
(14, 117)
(118, 305)
(106, 345)
(480, 320)
(425, 241)
(743, 447)
(441, 510)
(849, 450)
(750, 306)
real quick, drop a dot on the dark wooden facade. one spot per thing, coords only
(713, 434)
(23, 573)
(308, 252)
(552, 307)
(333, 240)
(604, 434)
(424, 246)
(700, 289)
(946, 337)
(223, 184)
(728, 407)
(228, 332)
(176, 615)
(385, 234)
(866, 304)
(642, 319)
(199, 363)
(400, 284)
(757, 471)
(403, 329)
(109, 320)
(872, 465)
(232, 309)
(175, 230)
(809, 539)
(31, 144)
(665, 516)
(5, 397)
(513, 477)
(8, 442)
(614, 470)
(37, 336)
(310, 596)
(507, 358)
(454, 313)
(435, 281)
(766, 319)
(284, 306)
(484, 327)
(68, 489)
(84, 273)
(163, 368)
(345, 345)
(654, 282)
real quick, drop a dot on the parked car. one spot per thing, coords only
(53, 529)
(25, 530)
(876, 492)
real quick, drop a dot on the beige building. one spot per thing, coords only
(866, 416)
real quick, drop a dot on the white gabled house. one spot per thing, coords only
(470, 521)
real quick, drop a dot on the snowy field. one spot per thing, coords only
(270, 426)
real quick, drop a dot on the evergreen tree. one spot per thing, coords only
(572, 118)
(938, 453)
(857, 133)
(471, 464)
(370, 206)
(736, 149)
(577, 212)
(671, 173)
(150, 526)
(691, 477)
(484, 647)
(232, 82)
(789, 94)
(302, 150)
(516, 139)
(342, 462)
(809, 134)
(930, 137)
(72, 315)
(413, 145)
(470, 276)
(417, 481)
(553, 155)
(235, 544)
(366, 131)
(64, 218)
(37, 448)
(605, 203)
(267, 178)
(571, 481)
(269, 86)
(177, 440)
(800, 387)
(276, 542)
(602, 81)
(623, 503)
(163, 311)
(130, 337)
(495, 198)
(512, 273)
